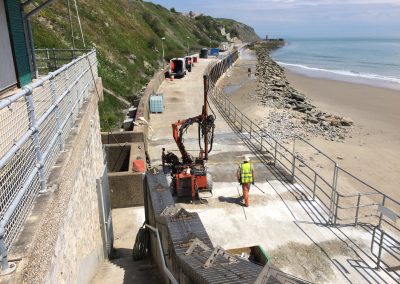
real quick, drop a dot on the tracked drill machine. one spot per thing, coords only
(189, 174)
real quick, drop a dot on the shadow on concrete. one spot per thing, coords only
(142, 271)
(317, 213)
(234, 200)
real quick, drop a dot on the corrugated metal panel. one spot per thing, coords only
(16, 26)
(7, 69)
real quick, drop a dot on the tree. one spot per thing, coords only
(173, 10)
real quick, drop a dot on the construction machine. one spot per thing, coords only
(189, 174)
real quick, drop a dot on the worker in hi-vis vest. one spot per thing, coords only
(245, 176)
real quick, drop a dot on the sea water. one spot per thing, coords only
(367, 61)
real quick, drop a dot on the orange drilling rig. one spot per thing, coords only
(189, 175)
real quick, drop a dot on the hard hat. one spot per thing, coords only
(246, 158)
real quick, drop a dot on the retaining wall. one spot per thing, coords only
(61, 241)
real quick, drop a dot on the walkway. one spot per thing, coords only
(290, 230)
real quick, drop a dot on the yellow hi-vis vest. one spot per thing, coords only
(246, 175)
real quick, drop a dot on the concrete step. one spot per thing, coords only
(125, 270)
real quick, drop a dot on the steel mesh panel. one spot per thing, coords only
(51, 159)
(15, 173)
(18, 217)
(66, 130)
(47, 130)
(42, 98)
(14, 123)
(63, 108)
(60, 83)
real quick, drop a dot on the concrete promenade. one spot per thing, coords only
(291, 231)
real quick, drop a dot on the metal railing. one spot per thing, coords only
(164, 267)
(51, 59)
(337, 196)
(35, 123)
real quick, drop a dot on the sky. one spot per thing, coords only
(303, 18)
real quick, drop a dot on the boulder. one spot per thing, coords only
(346, 121)
(312, 120)
(298, 97)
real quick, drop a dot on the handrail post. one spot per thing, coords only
(57, 112)
(315, 185)
(381, 214)
(378, 260)
(251, 128)
(357, 208)
(336, 208)
(6, 266)
(48, 60)
(261, 141)
(335, 176)
(55, 59)
(276, 146)
(293, 158)
(35, 139)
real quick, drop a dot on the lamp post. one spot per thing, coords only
(210, 43)
(188, 51)
(163, 54)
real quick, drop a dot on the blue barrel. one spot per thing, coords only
(156, 103)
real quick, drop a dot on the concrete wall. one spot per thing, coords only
(63, 242)
(126, 186)
(126, 189)
(121, 137)
(143, 106)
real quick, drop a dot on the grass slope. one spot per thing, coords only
(127, 36)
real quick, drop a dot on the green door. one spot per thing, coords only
(17, 34)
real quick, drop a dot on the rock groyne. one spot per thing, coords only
(291, 112)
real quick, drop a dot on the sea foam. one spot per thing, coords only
(344, 75)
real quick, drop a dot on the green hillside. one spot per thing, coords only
(127, 36)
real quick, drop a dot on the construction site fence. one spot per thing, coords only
(51, 59)
(35, 124)
(343, 198)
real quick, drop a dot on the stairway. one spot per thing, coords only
(125, 270)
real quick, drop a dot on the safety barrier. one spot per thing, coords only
(35, 123)
(327, 190)
(50, 59)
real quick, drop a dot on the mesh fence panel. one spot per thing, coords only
(14, 174)
(22, 210)
(55, 102)
(14, 123)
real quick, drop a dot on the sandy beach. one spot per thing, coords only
(371, 150)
